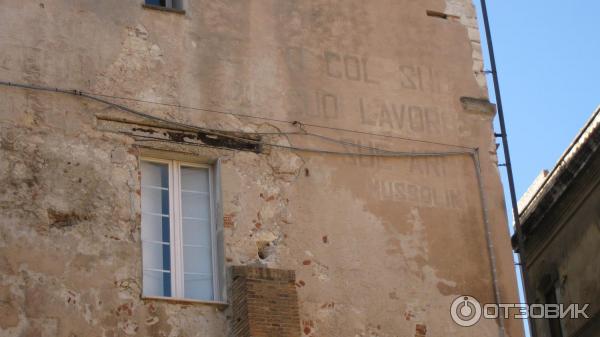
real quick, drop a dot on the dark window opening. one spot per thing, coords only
(170, 4)
(162, 3)
(554, 323)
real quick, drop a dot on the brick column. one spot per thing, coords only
(264, 303)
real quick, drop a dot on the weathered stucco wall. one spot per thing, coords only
(380, 246)
(562, 251)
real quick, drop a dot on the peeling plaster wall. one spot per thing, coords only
(380, 246)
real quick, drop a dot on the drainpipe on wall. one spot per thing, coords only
(511, 184)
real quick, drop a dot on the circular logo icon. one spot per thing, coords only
(465, 311)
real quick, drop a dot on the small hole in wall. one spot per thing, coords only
(306, 172)
(264, 249)
(437, 14)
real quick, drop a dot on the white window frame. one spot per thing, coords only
(176, 229)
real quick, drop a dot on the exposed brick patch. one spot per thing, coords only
(420, 330)
(264, 302)
(306, 262)
(60, 219)
(228, 221)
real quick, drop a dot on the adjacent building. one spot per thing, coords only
(560, 217)
(247, 168)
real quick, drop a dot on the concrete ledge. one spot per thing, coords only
(180, 300)
(478, 106)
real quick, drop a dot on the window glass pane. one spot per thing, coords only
(178, 4)
(196, 232)
(197, 259)
(156, 238)
(155, 201)
(156, 2)
(155, 228)
(157, 283)
(197, 236)
(155, 188)
(198, 287)
(155, 174)
(156, 255)
(195, 206)
(194, 179)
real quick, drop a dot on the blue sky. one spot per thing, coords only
(547, 55)
(548, 60)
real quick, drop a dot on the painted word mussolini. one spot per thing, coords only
(417, 193)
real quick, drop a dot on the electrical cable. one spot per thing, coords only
(384, 153)
(375, 149)
(380, 152)
(90, 94)
(282, 121)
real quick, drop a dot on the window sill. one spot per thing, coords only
(218, 304)
(164, 9)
